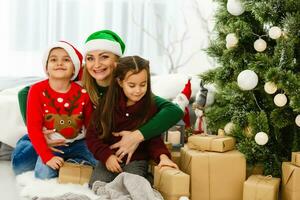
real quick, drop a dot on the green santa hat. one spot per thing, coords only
(105, 40)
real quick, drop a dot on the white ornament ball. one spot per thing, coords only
(275, 32)
(260, 45)
(231, 40)
(270, 87)
(297, 120)
(280, 100)
(228, 127)
(235, 7)
(247, 80)
(261, 138)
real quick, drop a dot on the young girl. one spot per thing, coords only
(128, 104)
(61, 104)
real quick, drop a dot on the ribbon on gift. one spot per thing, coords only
(261, 189)
(186, 167)
(296, 158)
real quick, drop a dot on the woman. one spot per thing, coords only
(101, 53)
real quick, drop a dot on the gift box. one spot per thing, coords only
(214, 176)
(75, 173)
(290, 181)
(175, 156)
(258, 187)
(211, 143)
(171, 183)
(151, 166)
(296, 158)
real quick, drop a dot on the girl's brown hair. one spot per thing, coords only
(107, 106)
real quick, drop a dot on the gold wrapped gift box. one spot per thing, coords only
(258, 187)
(171, 183)
(211, 143)
(290, 181)
(296, 158)
(175, 155)
(75, 173)
(214, 176)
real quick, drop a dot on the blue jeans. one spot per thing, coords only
(76, 151)
(24, 156)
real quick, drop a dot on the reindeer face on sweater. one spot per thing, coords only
(68, 126)
(64, 114)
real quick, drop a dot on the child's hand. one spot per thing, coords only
(112, 164)
(166, 161)
(55, 162)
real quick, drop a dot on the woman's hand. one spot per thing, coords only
(165, 161)
(55, 162)
(128, 144)
(112, 164)
(52, 143)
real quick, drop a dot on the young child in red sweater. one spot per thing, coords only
(61, 104)
(128, 105)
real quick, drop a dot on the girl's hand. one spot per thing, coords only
(166, 161)
(52, 143)
(128, 144)
(112, 164)
(55, 162)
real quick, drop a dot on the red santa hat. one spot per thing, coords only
(74, 54)
(187, 90)
(182, 100)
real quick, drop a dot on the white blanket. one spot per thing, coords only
(32, 187)
(12, 126)
(125, 186)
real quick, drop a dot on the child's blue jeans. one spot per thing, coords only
(24, 157)
(76, 151)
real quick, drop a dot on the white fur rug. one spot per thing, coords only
(32, 187)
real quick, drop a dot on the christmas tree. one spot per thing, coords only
(257, 78)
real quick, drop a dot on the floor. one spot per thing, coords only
(8, 187)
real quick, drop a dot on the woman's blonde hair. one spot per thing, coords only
(90, 84)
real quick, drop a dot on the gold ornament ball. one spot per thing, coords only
(270, 87)
(297, 120)
(260, 45)
(228, 128)
(275, 32)
(231, 40)
(280, 100)
(261, 138)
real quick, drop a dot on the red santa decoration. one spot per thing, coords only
(182, 100)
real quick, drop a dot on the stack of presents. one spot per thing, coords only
(211, 169)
